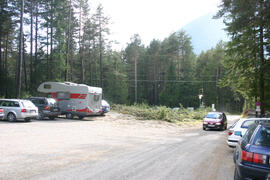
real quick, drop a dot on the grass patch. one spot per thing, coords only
(146, 112)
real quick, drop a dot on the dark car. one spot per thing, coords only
(2, 113)
(215, 120)
(252, 153)
(47, 107)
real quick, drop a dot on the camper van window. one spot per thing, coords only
(63, 95)
(96, 97)
(47, 86)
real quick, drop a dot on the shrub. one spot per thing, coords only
(146, 112)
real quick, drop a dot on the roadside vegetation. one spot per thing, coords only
(146, 112)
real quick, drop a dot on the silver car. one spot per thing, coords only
(17, 109)
(2, 113)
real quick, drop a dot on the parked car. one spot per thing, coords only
(17, 109)
(238, 129)
(47, 107)
(105, 107)
(215, 120)
(2, 113)
(252, 153)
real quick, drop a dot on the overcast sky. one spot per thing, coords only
(151, 19)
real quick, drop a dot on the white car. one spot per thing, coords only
(16, 109)
(238, 130)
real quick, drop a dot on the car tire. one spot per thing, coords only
(52, 117)
(40, 115)
(81, 117)
(69, 116)
(27, 120)
(11, 117)
(236, 175)
(204, 128)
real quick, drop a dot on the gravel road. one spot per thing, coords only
(112, 147)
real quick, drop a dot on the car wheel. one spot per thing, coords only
(27, 120)
(40, 115)
(69, 116)
(204, 128)
(236, 175)
(52, 117)
(11, 117)
(81, 117)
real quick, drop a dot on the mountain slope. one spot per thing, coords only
(205, 32)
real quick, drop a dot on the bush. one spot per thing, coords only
(146, 112)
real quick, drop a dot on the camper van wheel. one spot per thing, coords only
(81, 117)
(69, 116)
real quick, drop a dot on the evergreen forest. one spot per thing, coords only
(67, 40)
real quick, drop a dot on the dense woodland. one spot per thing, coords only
(67, 40)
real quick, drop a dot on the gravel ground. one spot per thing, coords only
(94, 148)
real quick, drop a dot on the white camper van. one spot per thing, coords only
(74, 99)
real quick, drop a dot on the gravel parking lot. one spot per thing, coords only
(52, 149)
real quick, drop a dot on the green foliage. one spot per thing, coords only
(146, 112)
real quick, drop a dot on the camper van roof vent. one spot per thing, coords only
(69, 83)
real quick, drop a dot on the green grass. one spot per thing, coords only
(146, 112)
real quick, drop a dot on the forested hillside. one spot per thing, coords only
(67, 40)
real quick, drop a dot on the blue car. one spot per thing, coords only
(252, 153)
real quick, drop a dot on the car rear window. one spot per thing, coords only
(263, 137)
(246, 124)
(51, 102)
(28, 104)
(249, 132)
(213, 116)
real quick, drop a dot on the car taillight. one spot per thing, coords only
(247, 156)
(230, 132)
(47, 107)
(2, 110)
(259, 158)
(24, 110)
(254, 157)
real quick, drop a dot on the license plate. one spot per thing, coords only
(32, 111)
(55, 110)
(211, 125)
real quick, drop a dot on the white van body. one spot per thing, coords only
(74, 99)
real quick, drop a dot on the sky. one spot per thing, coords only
(151, 19)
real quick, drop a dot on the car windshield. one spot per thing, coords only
(213, 116)
(263, 137)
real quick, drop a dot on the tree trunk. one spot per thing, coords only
(80, 47)
(47, 57)
(68, 43)
(31, 46)
(19, 72)
(100, 54)
(36, 36)
(24, 67)
(262, 60)
(6, 67)
(51, 41)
